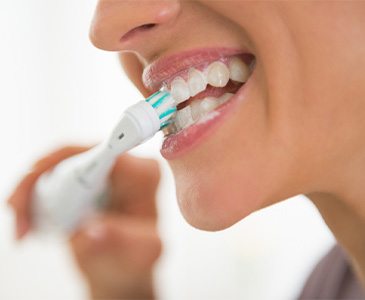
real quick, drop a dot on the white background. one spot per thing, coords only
(57, 89)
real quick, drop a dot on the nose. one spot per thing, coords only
(123, 24)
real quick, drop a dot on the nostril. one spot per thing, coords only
(137, 30)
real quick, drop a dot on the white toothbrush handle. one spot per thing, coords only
(63, 197)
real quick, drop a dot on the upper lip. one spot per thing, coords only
(164, 68)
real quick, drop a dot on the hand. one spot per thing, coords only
(117, 250)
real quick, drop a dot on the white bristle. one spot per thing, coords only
(167, 103)
(153, 99)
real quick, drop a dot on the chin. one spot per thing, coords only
(214, 209)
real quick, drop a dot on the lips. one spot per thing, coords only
(164, 69)
(194, 123)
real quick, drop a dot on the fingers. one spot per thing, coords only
(20, 199)
(116, 246)
(21, 207)
(134, 183)
(117, 255)
(55, 157)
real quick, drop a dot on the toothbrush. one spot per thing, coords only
(73, 189)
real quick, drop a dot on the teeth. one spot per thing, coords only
(238, 70)
(195, 110)
(208, 104)
(197, 82)
(179, 90)
(224, 98)
(217, 74)
(184, 118)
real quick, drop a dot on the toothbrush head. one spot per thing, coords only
(164, 105)
(141, 121)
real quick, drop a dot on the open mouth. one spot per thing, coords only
(201, 89)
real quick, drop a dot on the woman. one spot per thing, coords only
(296, 125)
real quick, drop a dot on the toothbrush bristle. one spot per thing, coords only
(164, 105)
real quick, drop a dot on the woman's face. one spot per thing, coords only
(292, 128)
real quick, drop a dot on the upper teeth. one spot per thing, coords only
(180, 90)
(197, 82)
(238, 70)
(217, 74)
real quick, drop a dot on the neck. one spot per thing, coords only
(345, 216)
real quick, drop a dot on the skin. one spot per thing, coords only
(116, 250)
(301, 129)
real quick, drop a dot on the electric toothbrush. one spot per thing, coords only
(74, 188)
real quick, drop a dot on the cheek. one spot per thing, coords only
(246, 164)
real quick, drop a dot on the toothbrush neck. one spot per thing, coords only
(95, 165)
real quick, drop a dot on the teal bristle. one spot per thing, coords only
(164, 105)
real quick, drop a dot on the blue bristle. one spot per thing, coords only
(159, 101)
(167, 112)
(164, 106)
(164, 124)
(152, 96)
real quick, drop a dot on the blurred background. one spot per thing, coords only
(57, 89)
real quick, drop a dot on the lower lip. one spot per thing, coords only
(177, 145)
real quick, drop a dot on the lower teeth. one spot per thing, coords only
(195, 112)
